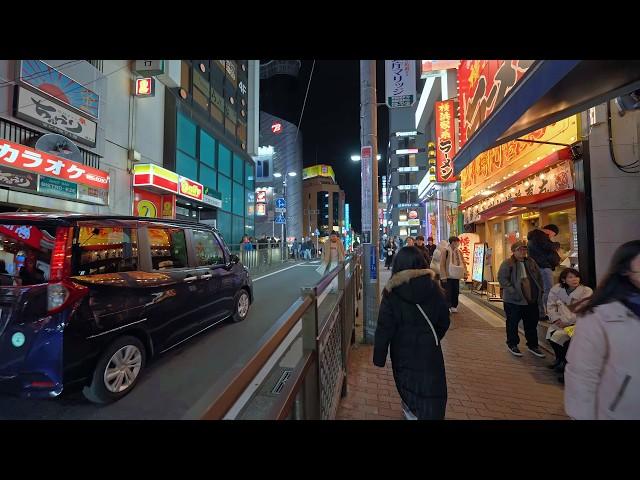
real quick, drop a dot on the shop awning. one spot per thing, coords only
(530, 201)
(550, 91)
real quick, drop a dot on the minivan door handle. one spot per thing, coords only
(190, 279)
(206, 276)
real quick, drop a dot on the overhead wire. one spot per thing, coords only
(304, 103)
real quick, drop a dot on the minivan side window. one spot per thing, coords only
(168, 248)
(207, 248)
(105, 250)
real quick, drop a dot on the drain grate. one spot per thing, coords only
(286, 375)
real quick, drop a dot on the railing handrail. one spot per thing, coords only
(228, 389)
(242, 377)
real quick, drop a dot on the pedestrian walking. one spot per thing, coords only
(431, 246)
(390, 250)
(419, 244)
(522, 289)
(602, 376)
(437, 256)
(569, 292)
(295, 249)
(453, 268)
(545, 253)
(332, 254)
(412, 320)
(263, 248)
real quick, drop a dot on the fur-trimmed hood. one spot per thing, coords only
(402, 283)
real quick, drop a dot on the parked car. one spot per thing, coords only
(96, 297)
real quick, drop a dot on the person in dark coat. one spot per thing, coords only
(545, 253)
(423, 249)
(414, 341)
(390, 249)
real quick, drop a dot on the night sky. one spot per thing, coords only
(331, 121)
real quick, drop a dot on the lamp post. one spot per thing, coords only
(283, 239)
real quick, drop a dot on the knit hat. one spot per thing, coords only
(517, 245)
(552, 227)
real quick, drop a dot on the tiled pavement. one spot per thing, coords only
(485, 382)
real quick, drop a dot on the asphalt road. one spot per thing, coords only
(176, 380)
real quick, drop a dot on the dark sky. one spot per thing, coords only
(331, 121)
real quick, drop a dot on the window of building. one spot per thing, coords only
(224, 160)
(238, 199)
(186, 135)
(207, 177)
(168, 248)
(186, 165)
(238, 169)
(224, 225)
(224, 187)
(207, 149)
(262, 167)
(207, 249)
(106, 250)
(249, 175)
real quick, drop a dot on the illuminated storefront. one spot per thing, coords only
(512, 189)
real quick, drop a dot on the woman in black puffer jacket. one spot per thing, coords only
(416, 351)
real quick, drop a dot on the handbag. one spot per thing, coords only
(430, 324)
(456, 272)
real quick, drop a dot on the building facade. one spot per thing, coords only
(324, 203)
(279, 175)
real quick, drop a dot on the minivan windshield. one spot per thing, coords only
(25, 254)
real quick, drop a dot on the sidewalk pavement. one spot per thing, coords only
(485, 382)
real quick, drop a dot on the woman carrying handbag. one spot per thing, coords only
(452, 269)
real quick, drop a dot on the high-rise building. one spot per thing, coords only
(323, 201)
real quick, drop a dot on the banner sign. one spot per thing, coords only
(445, 140)
(400, 83)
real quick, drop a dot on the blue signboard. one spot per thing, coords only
(281, 203)
(280, 219)
(373, 264)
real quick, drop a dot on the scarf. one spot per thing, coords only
(632, 302)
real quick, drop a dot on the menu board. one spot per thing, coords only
(479, 250)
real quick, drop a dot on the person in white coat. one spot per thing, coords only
(602, 376)
(562, 297)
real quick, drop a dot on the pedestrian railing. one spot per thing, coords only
(259, 257)
(298, 371)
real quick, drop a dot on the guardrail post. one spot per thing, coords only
(312, 388)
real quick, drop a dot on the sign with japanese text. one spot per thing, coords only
(482, 85)
(558, 178)
(261, 195)
(445, 140)
(467, 241)
(56, 84)
(146, 204)
(57, 187)
(30, 235)
(366, 154)
(400, 83)
(34, 161)
(93, 195)
(10, 177)
(191, 189)
(500, 161)
(477, 271)
(46, 113)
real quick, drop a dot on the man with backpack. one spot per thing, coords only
(522, 290)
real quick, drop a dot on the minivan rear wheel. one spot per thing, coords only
(117, 371)
(241, 306)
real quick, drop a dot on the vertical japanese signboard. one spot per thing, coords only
(366, 153)
(400, 83)
(482, 85)
(445, 141)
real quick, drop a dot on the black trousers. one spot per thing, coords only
(453, 291)
(388, 261)
(529, 316)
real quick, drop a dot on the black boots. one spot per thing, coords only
(557, 349)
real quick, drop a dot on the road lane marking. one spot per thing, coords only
(274, 273)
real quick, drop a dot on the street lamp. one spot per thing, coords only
(277, 175)
(356, 158)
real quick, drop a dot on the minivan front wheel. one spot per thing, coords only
(241, 306)
(117, 371)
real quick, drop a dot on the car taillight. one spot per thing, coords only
(61, 292)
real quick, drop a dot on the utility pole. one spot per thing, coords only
(369, 137)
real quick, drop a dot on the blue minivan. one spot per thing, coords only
(87, 301)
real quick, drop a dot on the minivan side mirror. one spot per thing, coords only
(234, 259)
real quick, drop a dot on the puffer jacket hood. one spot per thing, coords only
(412, 285)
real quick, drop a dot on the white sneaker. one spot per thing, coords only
(453, 310)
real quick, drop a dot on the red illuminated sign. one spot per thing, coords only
(191, 189)
(30, 160)
(445, 141)
(276, 128)
(261, 196)
(145, 87)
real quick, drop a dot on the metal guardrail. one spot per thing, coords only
(314, 386)
(258, 257)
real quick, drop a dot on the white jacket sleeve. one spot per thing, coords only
(552, 307)
(585, 360)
